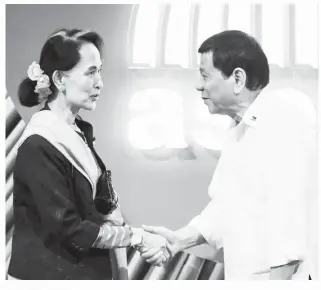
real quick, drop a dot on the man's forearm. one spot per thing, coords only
(189, 237)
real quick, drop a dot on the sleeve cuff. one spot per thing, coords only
(206, 229)
(110, 237)
(283, 258)
(99, 237)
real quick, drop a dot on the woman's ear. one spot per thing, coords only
(58, 79)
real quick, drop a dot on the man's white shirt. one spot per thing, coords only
(264, 189)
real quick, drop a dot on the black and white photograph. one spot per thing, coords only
(162, 141)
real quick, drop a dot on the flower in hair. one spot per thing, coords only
(42, 87)
(35, 73)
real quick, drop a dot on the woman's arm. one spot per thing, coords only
(43, 169)
(118, 256)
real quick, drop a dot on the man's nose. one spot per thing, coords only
(199, 86)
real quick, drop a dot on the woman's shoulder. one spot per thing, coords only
(37, 153)
(36, 141)
(38, 146)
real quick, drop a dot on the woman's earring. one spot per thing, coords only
(63, 90)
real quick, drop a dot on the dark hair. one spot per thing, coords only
(60, 52)
(232, 49)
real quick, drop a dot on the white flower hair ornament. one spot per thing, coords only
(35, 73)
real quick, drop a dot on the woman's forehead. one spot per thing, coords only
(89, 56)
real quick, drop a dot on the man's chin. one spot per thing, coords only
(212, 110)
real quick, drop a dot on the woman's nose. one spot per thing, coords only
(99, 83)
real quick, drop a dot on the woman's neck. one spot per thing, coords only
(60, 107)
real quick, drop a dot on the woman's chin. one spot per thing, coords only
(90, 107)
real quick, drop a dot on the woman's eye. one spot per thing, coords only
(95, 71)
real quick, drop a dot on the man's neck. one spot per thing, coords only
(239, 112)
(243, 106)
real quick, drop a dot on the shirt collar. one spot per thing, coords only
(250, 116)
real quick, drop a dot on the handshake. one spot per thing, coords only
(156, 245)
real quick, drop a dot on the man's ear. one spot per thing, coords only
(240, 80)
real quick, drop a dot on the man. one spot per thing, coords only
(262, 187)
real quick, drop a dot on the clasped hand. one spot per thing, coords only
(159, 245)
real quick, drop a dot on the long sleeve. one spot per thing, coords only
(207, 223)
(44, 171)
(113, 237)
(290, 139)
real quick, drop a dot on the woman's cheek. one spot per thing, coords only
(86, 84)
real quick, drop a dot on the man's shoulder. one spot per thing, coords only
(288, 104)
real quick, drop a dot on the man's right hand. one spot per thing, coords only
(173, 245)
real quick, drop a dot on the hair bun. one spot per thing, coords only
(26, 93)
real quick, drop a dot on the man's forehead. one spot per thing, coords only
(206, 61)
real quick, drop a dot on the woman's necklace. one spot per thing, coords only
(75, 127)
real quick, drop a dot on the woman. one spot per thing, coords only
(66, 213)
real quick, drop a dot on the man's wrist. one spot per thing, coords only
(188, 237)
(180, 238)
